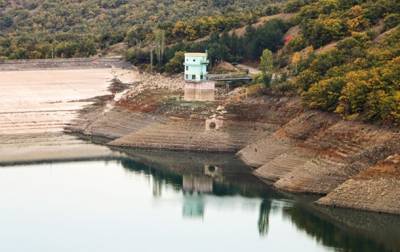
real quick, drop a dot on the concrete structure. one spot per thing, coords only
(197, 87)
(196, 67)
(214, 123)
(200, 91)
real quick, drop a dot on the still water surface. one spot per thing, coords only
(165, 203)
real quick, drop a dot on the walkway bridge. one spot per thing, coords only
(230, 77)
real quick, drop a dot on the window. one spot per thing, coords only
(187, 76)
(201, 77)
(187, 68)
(193, 77)
(194, 60)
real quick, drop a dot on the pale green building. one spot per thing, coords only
(196, 67)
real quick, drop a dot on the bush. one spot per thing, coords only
(293, 6)
(325, 94)
(297, 44)
(175, 65)
(137, 56)
(306, 78)
(381, 106)
(392, 21)
(320, 32)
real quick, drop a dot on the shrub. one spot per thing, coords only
(320, 32)
(392, 21)
(137, 56)
(175, 65)
(324, 94)
(297, 44)
(293, 6)
(381, 106)
(306, 78)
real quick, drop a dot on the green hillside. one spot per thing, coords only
(351, 64)
(79, 28)
(341, 56)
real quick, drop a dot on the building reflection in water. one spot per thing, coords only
(193, 205)
(194, 188)
(197, 184)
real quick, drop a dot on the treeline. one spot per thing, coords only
(226, 46)
(57, 28)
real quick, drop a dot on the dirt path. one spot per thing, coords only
(36, 105)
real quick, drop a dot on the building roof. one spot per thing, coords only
(196, 54)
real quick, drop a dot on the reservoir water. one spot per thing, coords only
(172, 202)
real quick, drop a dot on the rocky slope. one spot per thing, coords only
(319, 153)
(376, 188)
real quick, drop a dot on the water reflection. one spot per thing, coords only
(333, 234)
(193, 205)
(263, 220)
(197, 175)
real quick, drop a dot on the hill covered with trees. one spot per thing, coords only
(71, 28)
(346, 59)
(340, 56)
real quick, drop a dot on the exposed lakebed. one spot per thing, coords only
(161, 201)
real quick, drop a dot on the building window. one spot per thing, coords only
(194, 60)
(201, 77)
(187, 68)
(187, 76)
(193, 77)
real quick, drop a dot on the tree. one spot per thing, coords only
(159, 45)
(175, 65)
(266, 66)
(392, 21)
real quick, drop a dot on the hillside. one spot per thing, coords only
(339, 56)
(61, 28)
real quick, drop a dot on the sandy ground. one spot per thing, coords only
(36, 105)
